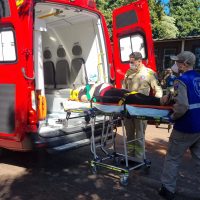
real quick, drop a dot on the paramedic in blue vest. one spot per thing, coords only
(141, 79)
(186, 131)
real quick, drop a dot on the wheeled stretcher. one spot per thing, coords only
(120, 161)
(103, 147)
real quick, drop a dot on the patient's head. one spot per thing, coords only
(83, 92)
(93, 87)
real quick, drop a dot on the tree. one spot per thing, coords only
(166, 28)
(107, 7)
(187, 15)
(163, 26)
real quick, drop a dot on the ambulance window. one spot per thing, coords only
(131, 44)
(167, 62)
(7, 46)
(4, 8)
(197, 54)
(126, 19)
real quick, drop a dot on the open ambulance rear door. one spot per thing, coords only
(132, 32)
(16, 73)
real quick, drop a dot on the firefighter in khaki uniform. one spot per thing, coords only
(140, 79)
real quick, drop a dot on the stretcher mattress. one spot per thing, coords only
(135, 110)
(108, 108)
(154, 112)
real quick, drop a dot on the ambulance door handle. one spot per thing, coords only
(25, 76)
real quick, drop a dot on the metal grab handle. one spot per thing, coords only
(25, 76)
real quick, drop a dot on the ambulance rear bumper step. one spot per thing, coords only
(71, 146)
(65, 142)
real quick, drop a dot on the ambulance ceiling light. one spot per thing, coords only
(52, 38)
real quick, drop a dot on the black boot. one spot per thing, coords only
(165, 193)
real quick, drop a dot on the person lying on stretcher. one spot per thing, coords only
(106, 93)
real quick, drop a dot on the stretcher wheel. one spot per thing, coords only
(147, 167)
(116, 160)
(94, 169)
(124, 179)
(87, 119)
(147, 163)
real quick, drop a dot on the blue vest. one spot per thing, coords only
(190, 121)
(170, 81)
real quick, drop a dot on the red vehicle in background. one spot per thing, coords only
(48, 48)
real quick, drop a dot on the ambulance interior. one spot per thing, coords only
(69, 49)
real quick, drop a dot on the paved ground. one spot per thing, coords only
(27, 176)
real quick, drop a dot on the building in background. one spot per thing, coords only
(166, 47)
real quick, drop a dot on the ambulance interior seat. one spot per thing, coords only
(78, 76)
(62, 69)
(49, 70)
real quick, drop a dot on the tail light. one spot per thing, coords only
(32, 114)
(32, 117)
(37, 108)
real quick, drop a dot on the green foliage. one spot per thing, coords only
(156, 12)
(187, 15)
(107, 7)
(163, 26)
(166, 28)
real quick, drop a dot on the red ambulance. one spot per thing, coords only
(47, 48)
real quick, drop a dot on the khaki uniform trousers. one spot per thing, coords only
(135, 129)
(178, 144)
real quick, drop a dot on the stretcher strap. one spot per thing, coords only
(124, 98)
(136, 105)
(88, 92)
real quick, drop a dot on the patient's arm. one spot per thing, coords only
(83, 98)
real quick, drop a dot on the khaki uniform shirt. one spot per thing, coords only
(142, 81)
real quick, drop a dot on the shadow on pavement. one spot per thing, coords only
(68, 176)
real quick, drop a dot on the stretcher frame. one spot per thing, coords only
(115, 156)
(107, 138)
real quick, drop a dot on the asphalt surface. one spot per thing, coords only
(38, 176)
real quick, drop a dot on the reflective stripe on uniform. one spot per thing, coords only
(194, 106)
